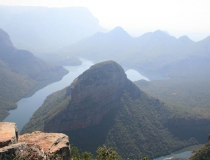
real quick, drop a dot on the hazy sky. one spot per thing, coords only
(178, 17)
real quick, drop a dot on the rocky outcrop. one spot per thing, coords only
(8, 134)
(34, 145)
(52, 143)
(93, 95)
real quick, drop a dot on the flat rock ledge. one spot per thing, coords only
(35, 145)
(8, 134)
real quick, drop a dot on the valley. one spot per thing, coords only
(20, 73)
(35, 101)
(114, 120)
(144, 96)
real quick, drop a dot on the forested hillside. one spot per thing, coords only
(189, 93)
(102, 106)
(20, 72)
(203, 154)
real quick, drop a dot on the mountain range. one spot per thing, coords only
(152, 53)
(43, 29)
(102, 106)
(20, 72)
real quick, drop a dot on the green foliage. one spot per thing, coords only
(202, 154)
(133, 123)
(75, 155)
(104, 153)
(135, 128)
(139, 129)
(13, 87)
(184, 95)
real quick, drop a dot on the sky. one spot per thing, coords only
(177, 17)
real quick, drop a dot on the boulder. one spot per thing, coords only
(51, 143)
(36, 145)
(10, 152)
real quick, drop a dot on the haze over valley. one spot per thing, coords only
(75, 68)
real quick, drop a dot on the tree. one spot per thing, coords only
(104, 153)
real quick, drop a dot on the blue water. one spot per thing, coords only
(27, 106)
(133, 75)
(185, 154)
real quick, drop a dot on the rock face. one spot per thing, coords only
(9, 134)
(37, 144)
(56, 143)
(92, 94)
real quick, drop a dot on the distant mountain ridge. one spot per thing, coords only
(102, 106)
(43, 29)
(20, 72)
(152, 52)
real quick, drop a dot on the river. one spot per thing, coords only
(27, 106)
(184, 155)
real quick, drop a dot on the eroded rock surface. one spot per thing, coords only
(56, 143)
(36, 145)
(8, 134)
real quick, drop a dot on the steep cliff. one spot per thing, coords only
(102, 106)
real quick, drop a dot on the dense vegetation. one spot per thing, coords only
(187, 94)
(103, 153)
(20, 72)
(136, 124)
(189, 99)
(202, 154)
(13, 87)
(144, 135)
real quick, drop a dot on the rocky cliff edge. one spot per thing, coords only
(33, 145)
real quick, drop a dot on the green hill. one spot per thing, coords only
(102, 106)
(191, 93)
(20, 72)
